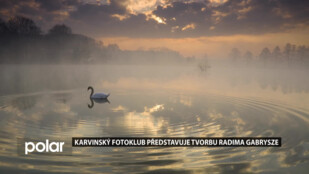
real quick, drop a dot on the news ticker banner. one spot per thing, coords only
(176, 141)
(27, 146)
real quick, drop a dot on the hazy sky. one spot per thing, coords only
(192, 27)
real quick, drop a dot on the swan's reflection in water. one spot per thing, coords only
(97, 100)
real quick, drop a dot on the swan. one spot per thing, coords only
(97, 95)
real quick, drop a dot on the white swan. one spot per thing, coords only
(97, 95)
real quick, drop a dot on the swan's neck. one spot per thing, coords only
(91, 92)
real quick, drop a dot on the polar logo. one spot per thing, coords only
(43, 147)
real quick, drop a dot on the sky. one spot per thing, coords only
(192, 27)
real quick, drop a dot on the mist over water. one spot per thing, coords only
(50, 101)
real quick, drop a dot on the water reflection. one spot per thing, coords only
(24, 102)
(181, 106)
(97, 100)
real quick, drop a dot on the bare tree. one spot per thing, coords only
(302, 54)
(23, 26)
(3, 27)
(234, 54)
(276, 54)
(287, 52)
(60, 30)
(248, 57)
(265, 55)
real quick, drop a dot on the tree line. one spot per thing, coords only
(23, 42)
(289, 55)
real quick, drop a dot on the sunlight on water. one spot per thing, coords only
(156, 101)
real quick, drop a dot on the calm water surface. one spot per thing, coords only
(51, 102)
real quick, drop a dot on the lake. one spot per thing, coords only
(51, 102)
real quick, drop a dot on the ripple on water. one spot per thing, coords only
(67, 115)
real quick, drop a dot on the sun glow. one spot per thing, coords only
(158, 19)
(189, 26)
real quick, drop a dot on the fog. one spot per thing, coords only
(23, 42)
(59, 59)
(34, 78)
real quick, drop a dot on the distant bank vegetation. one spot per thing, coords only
(289, 56)
(23, 42)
